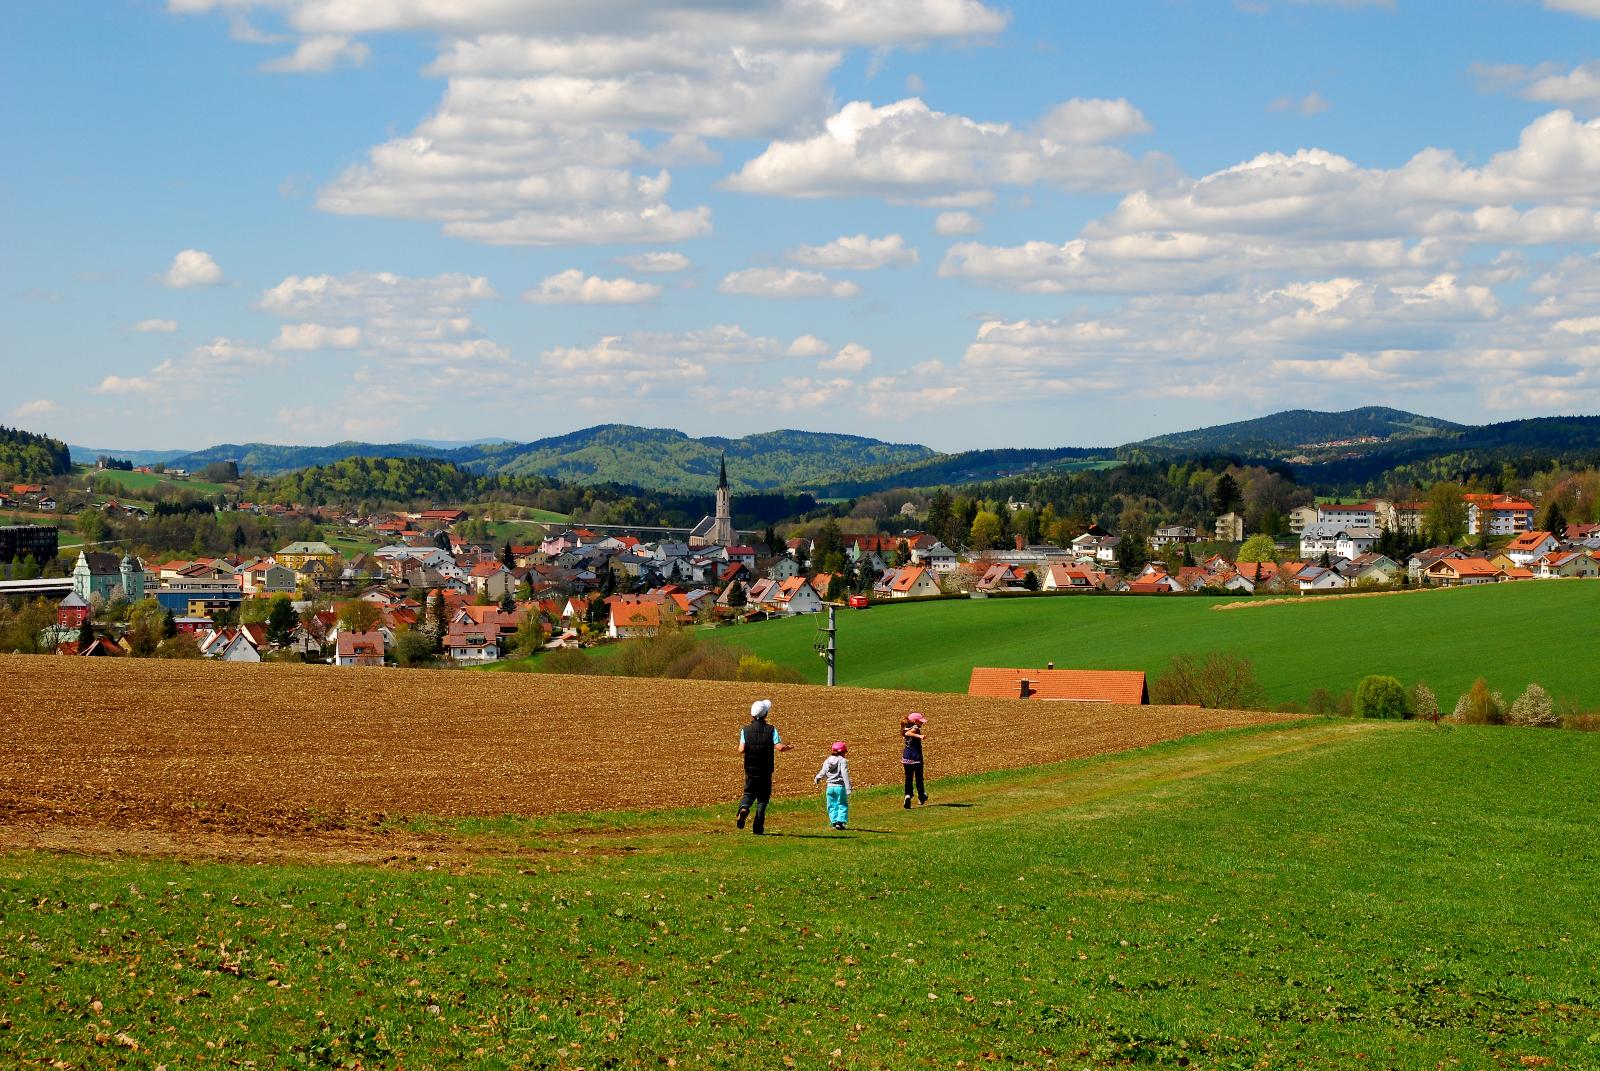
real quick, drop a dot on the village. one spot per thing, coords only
(425, 594)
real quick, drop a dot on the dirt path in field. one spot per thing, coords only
(143, 756)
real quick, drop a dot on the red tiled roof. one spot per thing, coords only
(1528, 541)
(1073, 685)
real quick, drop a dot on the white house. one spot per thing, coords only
(1529, 547)
(1315, 578)
(795, 596)
(1354, 542)
(1565, 563)
(907, 582)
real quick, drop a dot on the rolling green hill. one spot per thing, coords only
(1443, 637)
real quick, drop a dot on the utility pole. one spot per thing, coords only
(831, 651)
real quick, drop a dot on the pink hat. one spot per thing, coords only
(914, 716)
(839, 748)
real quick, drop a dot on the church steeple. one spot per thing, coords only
(722, 477)
(722, 532)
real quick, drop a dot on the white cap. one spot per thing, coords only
(759, 708)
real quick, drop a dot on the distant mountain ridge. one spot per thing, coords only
(1321, 446)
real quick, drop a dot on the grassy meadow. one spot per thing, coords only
(1328, 895)
(142, 484)
(1510, 634)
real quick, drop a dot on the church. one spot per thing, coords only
(717, 531)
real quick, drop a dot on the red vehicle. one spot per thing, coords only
(859, 602)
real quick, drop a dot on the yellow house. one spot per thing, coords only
(295, 555)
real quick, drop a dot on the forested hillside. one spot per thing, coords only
(661, 459)
(1278, 433)
(29, 457)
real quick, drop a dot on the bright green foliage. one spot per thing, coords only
(1379, 696)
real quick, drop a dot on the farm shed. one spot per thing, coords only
(1075, 685)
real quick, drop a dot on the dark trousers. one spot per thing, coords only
(914, 775)
(757, 792)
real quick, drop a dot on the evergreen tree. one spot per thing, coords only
(507, 559)
(1225, 496)
(1555, 521)
(508, 604)
(939, 513)
(281, 621)
(1133, 549)
(85, 635)
(774, 544)
(169, 625)
(737, 596)
(441, 623)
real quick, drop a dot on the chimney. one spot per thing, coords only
(1024, 689)
(1020, 542)
(1049, 665)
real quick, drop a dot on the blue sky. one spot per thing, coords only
(953, 222)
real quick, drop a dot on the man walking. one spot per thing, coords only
(759, 743)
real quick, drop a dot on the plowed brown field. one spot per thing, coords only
(281, 750)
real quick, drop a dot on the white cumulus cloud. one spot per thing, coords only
(317, 337)
(908, 151)
(192, 268)
(155, 326)
(572, 287)
(857, 252)
(809, 346)
(321, 52)
(950, 224)
(785, 283)
(426, 320)
(657, 262)
(852, 357)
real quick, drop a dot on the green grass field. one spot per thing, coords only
(1510, 634)
(1331, 895)
(144, 483)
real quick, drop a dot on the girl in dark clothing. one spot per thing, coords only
(911, 730)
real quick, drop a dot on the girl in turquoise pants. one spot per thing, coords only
(836, 772)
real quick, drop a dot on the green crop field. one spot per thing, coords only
(1328, 895)
(1510, 634)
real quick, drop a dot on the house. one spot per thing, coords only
(1059, 577)
(359, 649)
(1528, 547)
(1153, 584)
(1172, 534)
(296, 555)
(491, 580)
(466, 644)
(1096, 547)
(934, 554)
(231, 645)
(1565, 563)
(632, 618)
(1498, 514)
(1316, 578)
(796, 596)
(798, 549)
(1229, 528)
(267, 578)
(907, 582)
(1462, 571)
(1126, 687)
(782, 569)
(1354, 542)
(1418, 564)
(1371, 568)
(1002, 577)
(1324, 538)
(443, 518)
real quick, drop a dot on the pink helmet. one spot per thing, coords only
(839, 747)
(915, 717)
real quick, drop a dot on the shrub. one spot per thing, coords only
(1480, 706)
(1378, 696)
(1218, 680)
(1533, 707)
(1424, 704)
(753, 668)
(566, 660)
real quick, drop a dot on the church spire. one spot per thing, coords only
(722, 478)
